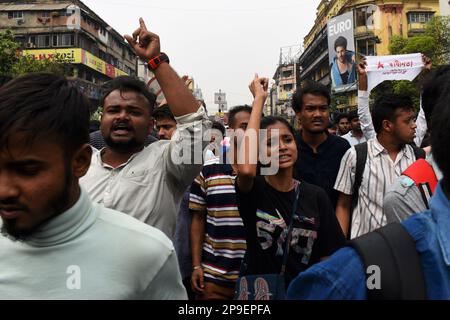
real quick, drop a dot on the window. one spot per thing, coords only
(288, 87)
(41, 41)
(86, 44)
(15, 15)
(366, 47)
(364, 16)
(45, 14)
(287, 74)
(102, 55)
(419, 17)
(63, 40)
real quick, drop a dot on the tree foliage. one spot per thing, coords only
(8, 52)
(13, 63)
(434, 43)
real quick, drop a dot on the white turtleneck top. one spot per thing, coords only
(90, 252)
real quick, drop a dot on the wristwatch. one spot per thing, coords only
(154, 63)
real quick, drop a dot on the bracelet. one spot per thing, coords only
(154, 62)
(196, 267)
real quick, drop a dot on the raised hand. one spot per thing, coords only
(258, 87)
(144, 43)
(427, 63)
(362, 75)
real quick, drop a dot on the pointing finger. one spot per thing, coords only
(142, 24)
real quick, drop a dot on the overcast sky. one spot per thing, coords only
(221, 44)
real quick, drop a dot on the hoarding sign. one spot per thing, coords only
(93, 62)
(341, 52)
(76, 55)
(59, 55)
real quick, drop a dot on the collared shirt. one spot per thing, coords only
(90, 252)
(352, 139)
(151, 184)
(321, 168)
(342, 276)
(379, 173)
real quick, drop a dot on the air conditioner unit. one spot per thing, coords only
(20, 21)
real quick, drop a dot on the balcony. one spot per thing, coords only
(363, 31)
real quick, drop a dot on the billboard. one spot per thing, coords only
(93, 62)
(341, 52)
(59, 55)
(75, 55)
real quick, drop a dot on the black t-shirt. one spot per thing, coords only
(321, 168)
(344, 77)
(266, 214)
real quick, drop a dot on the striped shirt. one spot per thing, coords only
(380, 172)
(224, 244)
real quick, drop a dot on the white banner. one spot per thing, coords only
(397, 67)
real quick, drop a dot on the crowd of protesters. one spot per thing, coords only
(158, 202)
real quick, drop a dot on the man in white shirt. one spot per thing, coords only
(355, 135)
(343, 124)
(407, 196)
(388, 155)
(55, 243)
(147, 183)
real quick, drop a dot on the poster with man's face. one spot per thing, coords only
(341, 52)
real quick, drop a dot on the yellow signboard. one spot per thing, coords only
(93, 62)
(76, 55)
(120, 72)
(59, 55)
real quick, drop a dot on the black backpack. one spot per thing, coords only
(361, 158)
(392, 249)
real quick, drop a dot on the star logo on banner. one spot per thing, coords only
(380, 65)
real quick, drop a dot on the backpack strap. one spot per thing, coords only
(392, 249)
(361, 158)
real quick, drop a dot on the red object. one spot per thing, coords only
(421, 172)
(156, 61)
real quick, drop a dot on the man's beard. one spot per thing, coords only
(57, 206)
(122, 146)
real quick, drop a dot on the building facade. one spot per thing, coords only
(375, 23)
(69, 32)
(284, 85)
